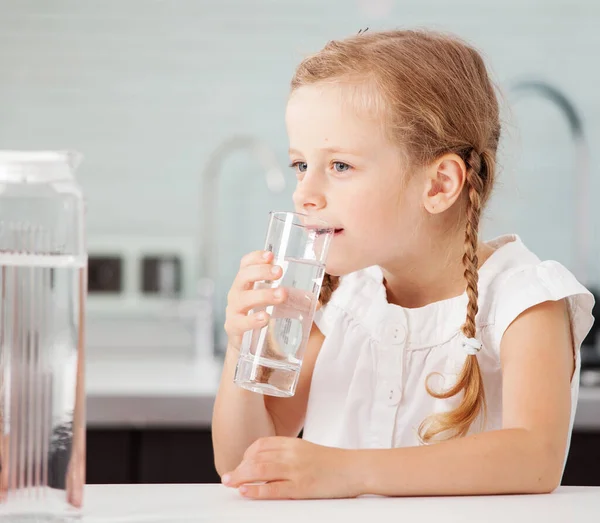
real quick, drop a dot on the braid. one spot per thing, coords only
(458, 421)
(475, 188)
(330, 284)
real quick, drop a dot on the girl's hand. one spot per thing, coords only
(243, 297)
(291, 468)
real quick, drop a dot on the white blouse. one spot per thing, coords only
(368, 385)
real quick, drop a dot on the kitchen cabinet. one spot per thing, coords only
(150, 456)
(185, 456)
(583, 463)
(176, 456)
(111, 456)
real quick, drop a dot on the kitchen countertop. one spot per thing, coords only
(151, 392)
(161, 392)
(176, 503)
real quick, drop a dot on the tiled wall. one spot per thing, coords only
(146, 89)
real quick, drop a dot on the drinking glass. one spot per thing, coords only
(271, 357)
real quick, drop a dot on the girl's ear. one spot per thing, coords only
(445, 179)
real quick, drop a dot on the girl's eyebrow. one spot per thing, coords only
(334, 150)
(340, 150)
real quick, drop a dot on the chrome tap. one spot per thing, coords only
(590, 351)
(582, 167)
(275, 183)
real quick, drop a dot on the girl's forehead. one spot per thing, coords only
(343, 111)
(356, 98)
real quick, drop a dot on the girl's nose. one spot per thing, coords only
(308, 196)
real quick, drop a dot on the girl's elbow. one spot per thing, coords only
(548, 468)
(223, 462)
(220, 460)
(546, 483)
(222, 466)
(220, 469)
(552, 474)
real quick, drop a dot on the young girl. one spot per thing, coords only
(437, 364)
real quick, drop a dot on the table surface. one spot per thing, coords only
(177, 503)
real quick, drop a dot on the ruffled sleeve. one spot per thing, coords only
(534, 284)
(323, 319)
(353, 288)
(327, 315)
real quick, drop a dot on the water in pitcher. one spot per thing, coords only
(273, 354)
(42, 450)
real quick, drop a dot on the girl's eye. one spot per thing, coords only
(341, 167)
(300, 167)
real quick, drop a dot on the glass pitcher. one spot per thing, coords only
(43, 286)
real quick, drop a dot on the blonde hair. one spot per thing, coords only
(437, 99)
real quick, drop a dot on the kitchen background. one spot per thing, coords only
(177, 108)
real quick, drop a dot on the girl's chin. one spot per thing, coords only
(338, 269)
(342, 261)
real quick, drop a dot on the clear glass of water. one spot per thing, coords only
(43, 284)
(271, 357)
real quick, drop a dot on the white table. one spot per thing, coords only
(200, 503)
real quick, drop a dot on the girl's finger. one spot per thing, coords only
(256, 472)
(239, 324)
(272, 490)
(268, 444)
(256, 257)
(248, 276)
(261, 297)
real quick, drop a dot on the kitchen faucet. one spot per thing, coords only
(275, 183)
(582, 193)
(582, 167)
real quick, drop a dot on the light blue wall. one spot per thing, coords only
(146, 89)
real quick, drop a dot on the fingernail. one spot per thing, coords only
(275, 269)
(243, 489)
(278, 294)
(262, 316)
(226, 479)
(266, 255)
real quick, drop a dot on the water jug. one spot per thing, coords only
(43, 284)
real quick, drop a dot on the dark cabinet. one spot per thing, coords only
(186, 456)
(583, 463)
(150, 456)
(177, 456)
(110, 456)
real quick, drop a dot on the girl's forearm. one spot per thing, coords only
(239, 418)
(498, 462)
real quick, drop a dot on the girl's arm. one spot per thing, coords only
(288, 413)
(527, 455)
(240, 417)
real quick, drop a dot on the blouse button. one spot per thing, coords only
(398, 335)
(394, 395)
